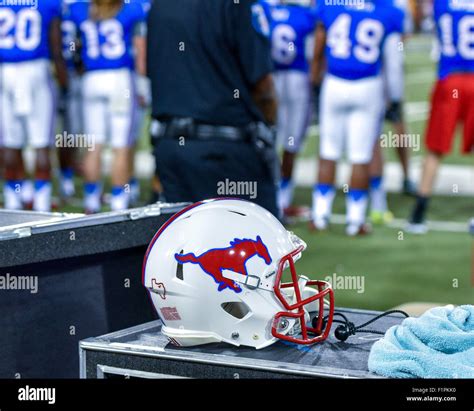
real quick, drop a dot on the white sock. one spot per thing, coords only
(378, 196)
(356, 206)
(27, 192)
(42, 198)
(92, 193)
(67, 183)
(285, 193)
(323, 197)
(120, 199)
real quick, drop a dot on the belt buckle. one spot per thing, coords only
(157, 128)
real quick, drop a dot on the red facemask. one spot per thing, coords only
(320, 328)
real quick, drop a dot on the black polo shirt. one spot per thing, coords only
(204, 57)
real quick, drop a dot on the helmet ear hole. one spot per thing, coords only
(236, 309)
(179, 269)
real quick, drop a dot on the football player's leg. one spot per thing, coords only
(143, 88)
(332, 130)
(13, 139)
(379, 212)
(299, 95)
(14, 179)
(403, 156)
(123, 132)
(363, 130)
(445, 111)
(41, 129)
(72, 124)
(283, 135)
(95, 126)
(468, 133)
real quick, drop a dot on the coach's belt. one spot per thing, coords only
(187, 128)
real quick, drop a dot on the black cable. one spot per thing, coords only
(348, 328)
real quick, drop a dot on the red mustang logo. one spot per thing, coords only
(232, 258)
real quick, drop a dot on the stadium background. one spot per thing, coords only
(397, 267)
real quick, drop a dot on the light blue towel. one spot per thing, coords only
(438, 344)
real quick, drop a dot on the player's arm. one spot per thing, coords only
(394, 64)
(56, 52)
(142, 82)
(318, 63)
(139, 45)
(250, 31)
(264, 95)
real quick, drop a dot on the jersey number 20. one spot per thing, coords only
(368, 36)
(22, 29)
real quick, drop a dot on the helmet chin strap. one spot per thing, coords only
(348, 328)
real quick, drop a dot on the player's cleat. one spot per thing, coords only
(296, 211)
(381, 217)
(409, 187)
(319, 225)
(416, 228)
(354, 230)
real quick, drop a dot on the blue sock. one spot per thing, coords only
(375, 182)
(284, 182)
(357, 193)
(14, 184)
(90, 188)
(323, 188)
(117, 190)
(67, 173)
(39, 184)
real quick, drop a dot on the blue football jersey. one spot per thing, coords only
(69, 34)
(146, 5)
(455, 27)
(290, 26)
(356, 36)
(107, 44)
(24, 29)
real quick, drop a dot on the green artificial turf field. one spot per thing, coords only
(396, 267)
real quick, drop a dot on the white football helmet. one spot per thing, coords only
(214, 273)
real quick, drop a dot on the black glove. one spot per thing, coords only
(394, 112)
